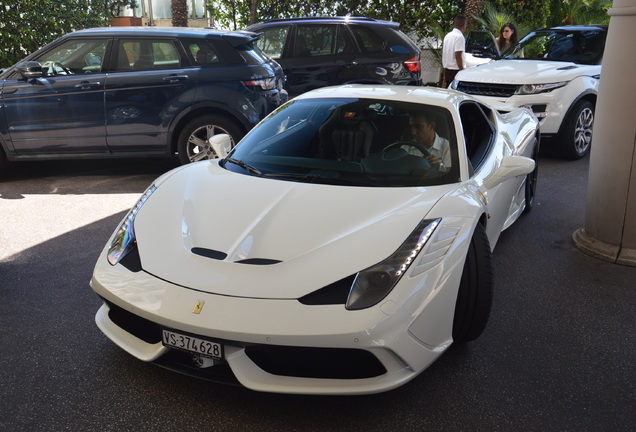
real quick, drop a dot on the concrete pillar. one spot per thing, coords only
(610, 217)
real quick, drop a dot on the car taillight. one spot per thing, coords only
(413, 64)
(262, 83)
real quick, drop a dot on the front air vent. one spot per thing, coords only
(487, 89)
(209, 253)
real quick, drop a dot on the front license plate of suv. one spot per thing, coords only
(192, 344)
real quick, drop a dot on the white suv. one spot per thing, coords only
(555, 72)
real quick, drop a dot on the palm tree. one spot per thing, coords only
(493, 20)
(472, 11)
(179, 10)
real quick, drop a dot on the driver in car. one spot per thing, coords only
(423, 133)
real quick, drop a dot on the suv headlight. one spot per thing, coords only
(453, 85)
(373, 284)
(124, 239)
(539, 88)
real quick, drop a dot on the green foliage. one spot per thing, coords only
(532, 14)
(116, 7)
(26, 25)
(579, 12)
(493, 20)
(416, 17)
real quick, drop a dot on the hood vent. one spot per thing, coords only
(258, 261)
(221, 256)
(568, 67)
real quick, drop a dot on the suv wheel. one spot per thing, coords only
(194, 145)
(577, 135)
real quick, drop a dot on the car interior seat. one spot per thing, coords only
(347, 135)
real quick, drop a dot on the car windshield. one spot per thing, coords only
(348, 141)
(578, 46)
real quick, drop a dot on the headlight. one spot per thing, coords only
(375, 283)
(124, 239)
(453, 85)
(539, 88)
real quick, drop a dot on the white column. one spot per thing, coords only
(610, 217)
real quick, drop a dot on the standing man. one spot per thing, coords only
(453, 49)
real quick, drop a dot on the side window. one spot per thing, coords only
(272, 42)
(479, 133)
(320, 40)
(74, 57)
(201, 52)
(140, 54)
(368, 39)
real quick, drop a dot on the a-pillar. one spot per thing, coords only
(610, 217)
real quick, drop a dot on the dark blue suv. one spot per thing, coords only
(135, 92)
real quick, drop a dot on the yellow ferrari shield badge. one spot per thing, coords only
(198, 306)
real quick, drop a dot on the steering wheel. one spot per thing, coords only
(57, 68)
(399, 144)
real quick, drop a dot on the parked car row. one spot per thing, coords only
(116, 92)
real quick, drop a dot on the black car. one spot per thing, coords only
(321, 51)
(135, 92)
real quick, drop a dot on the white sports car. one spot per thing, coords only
(333, 251)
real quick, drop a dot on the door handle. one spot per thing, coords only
(87, 85)
(175, 78)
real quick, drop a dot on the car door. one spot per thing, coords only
(150, 82)
(320, 55)
(62, 110)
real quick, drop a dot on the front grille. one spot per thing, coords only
(487, 89)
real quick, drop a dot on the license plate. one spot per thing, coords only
(193, 344)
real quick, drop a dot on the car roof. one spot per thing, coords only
(429, 95)
(337, 19)
(162, 31)
(581, 27)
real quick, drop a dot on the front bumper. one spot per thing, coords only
(371, 350)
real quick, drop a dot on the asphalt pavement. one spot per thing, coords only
(557, 355)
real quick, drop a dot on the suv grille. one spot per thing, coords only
(487, 89)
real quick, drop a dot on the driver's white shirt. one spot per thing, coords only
(440, 148)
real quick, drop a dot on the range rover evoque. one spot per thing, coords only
(555, 72)
(125, 91)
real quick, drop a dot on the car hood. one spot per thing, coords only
(526, 72)
(216, 231)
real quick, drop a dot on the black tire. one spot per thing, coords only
(576, 137)
(474, 299)
(531, 180)
(193, 142)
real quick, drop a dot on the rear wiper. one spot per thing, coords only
(245, 166)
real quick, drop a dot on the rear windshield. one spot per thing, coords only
(343, 141)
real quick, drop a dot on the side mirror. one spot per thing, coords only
(221, 144)
(30, 69)
(511, 166)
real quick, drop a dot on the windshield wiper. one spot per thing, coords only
(318, 178)
(245, 166)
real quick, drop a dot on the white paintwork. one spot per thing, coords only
(320, 233)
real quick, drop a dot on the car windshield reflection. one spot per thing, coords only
(582, 47)
(348, 141)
